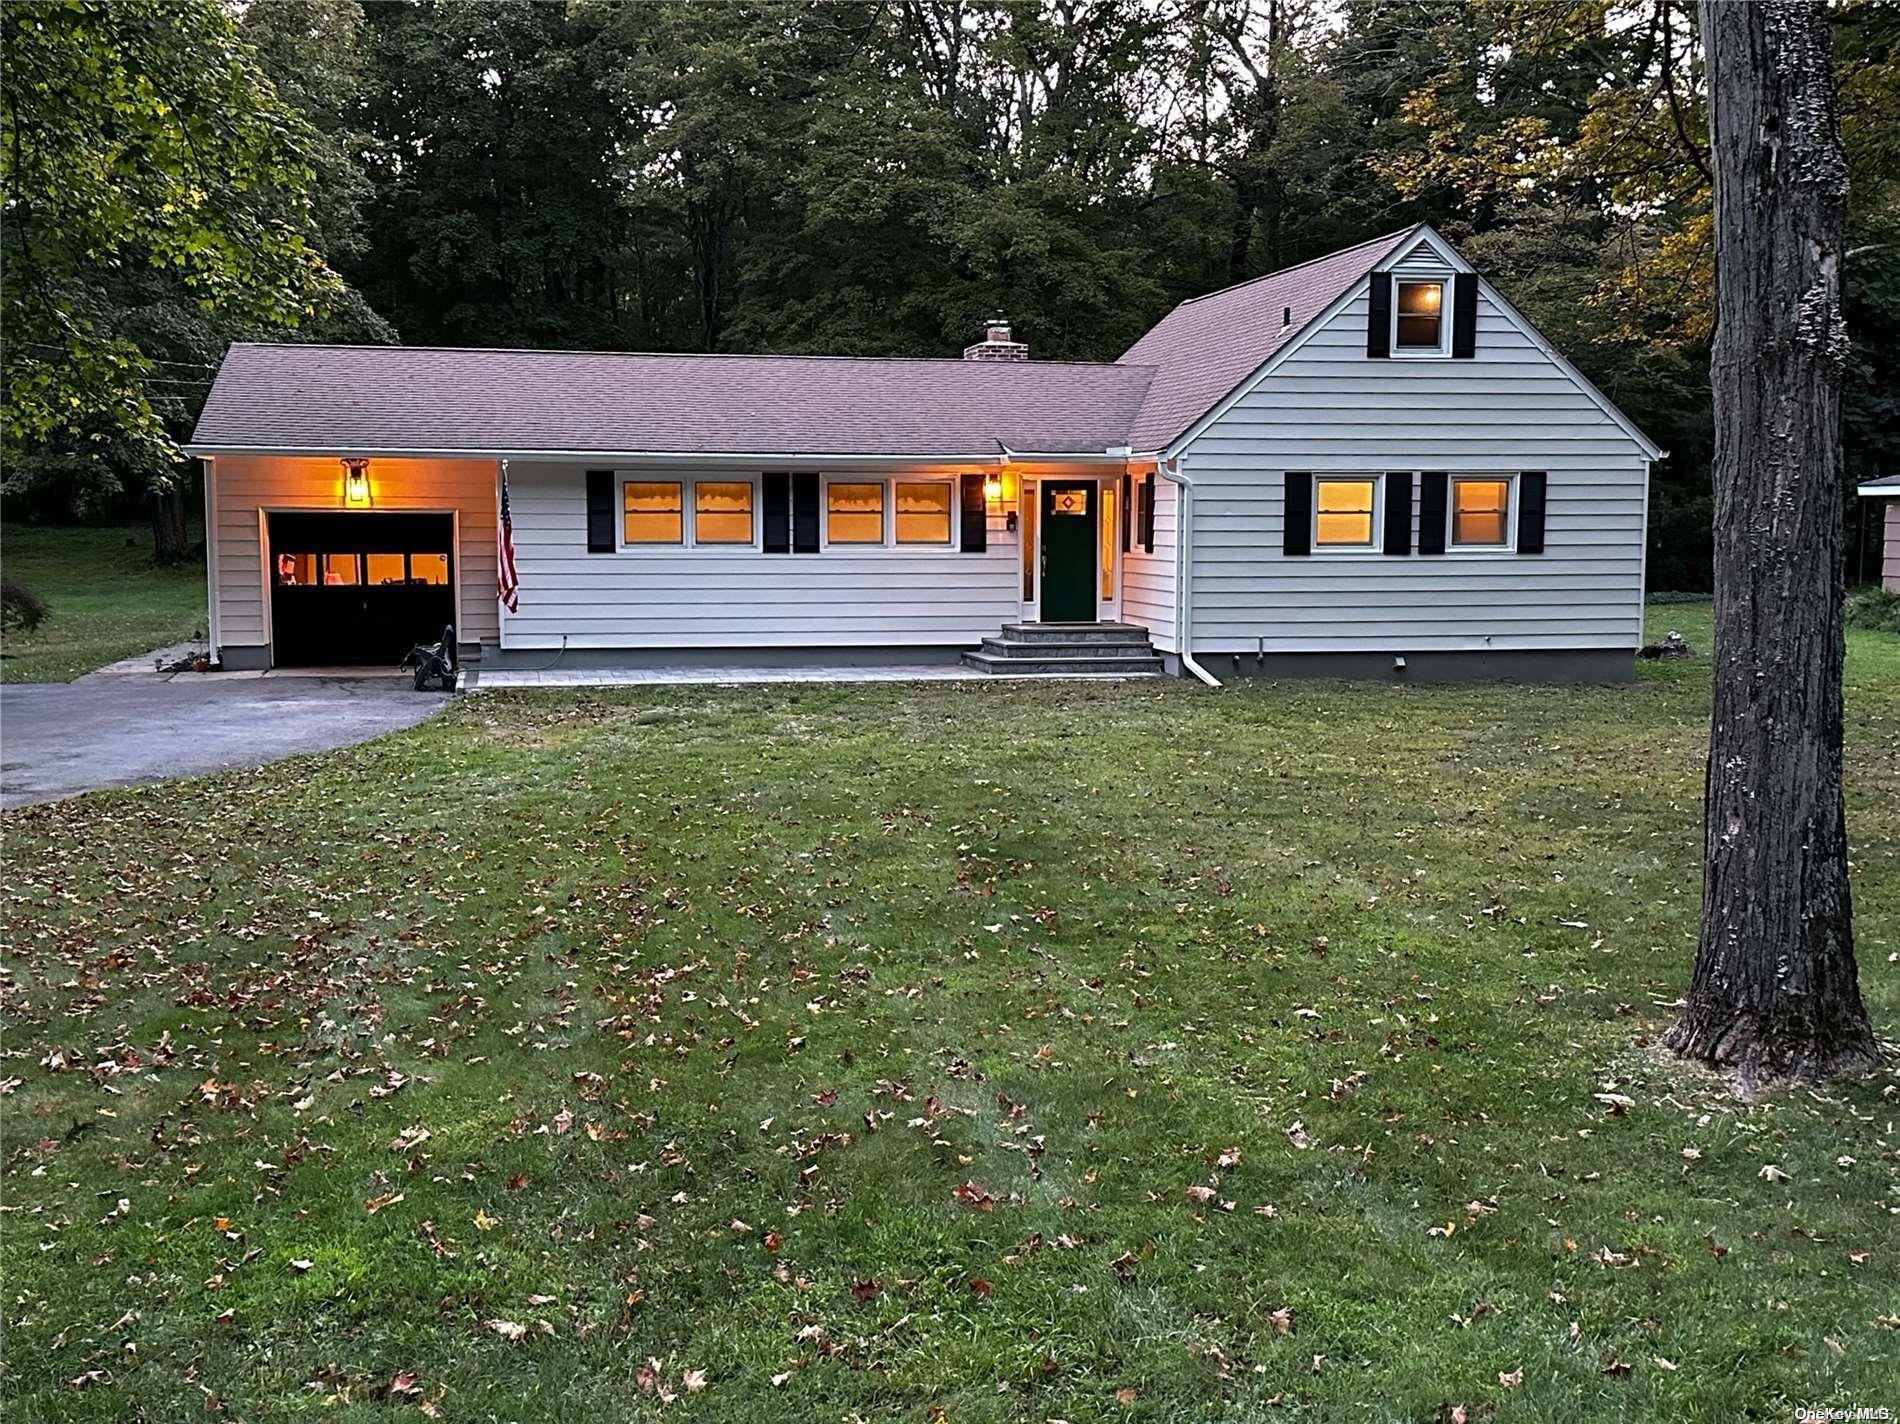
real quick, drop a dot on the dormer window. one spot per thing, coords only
(1418, 317)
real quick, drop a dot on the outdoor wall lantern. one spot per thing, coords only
(356, 484)
(992, 487)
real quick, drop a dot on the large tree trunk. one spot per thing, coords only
(1774, 993)
(170, 544)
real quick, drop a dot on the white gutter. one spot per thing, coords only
(1876, 489)
(743, 456)
(1183, 602)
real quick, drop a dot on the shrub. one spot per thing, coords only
(21, 609)
(1875, 608)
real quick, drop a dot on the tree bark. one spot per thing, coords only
(170, 544)
(1775, 991)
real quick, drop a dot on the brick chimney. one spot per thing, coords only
(996, 345)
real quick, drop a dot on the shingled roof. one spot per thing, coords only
(436, 399)
(490, 401)
(1208, 345)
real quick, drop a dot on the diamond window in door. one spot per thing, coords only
(1070, 501)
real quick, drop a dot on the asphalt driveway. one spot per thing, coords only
(59, 739)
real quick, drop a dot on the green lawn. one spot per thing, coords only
(108, 600)
(958, 1051)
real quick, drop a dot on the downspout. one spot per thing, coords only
(214, 623)
(1183, 602)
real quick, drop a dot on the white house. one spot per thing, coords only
(1368, 464)
(1883, 497)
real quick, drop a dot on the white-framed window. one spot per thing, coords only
(722, 512)
(1421, 325)
(854, 512)
(713, 512)
(1346, 511)
(924, 510)
(1482, 510)
(651, 512)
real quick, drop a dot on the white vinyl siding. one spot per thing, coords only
(843, 596)
(1890, 563)
(1330, 409)
(1148, 579)
(242, 485)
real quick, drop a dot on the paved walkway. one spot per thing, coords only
(59, 739)
(488, 679)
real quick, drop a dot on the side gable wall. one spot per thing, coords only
(1329, 408)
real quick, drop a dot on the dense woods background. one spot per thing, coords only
(858, 176)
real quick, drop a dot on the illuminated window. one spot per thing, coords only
(296, 569)
(429, 568)
(854, 513)
(722, 512)
(385, 568)
(652, 512)
(1108, 541)
(923, 513)
(1342, 513)
(339, 568)
(1481, 512)
(1071, 501)
(1420, 318)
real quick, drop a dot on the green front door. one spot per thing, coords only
(1068, 553)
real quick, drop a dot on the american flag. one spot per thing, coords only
(506, 583)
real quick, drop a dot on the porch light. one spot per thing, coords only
(356, 484)
(992, 488)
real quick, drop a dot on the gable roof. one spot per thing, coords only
(497, 401)
(1208, 345)
(1886, 487)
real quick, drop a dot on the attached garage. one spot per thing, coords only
(358, 588)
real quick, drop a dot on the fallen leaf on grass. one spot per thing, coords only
(508, 1329)
(866, 1290)
(1125, 1396)
(1512, 1380)
(1296, 1134)
(975, 1196)
(1200, 1195)
(1771, 1173)
(406, 1382)
(1282, 1320)
(300, 1265)
(376, 1204)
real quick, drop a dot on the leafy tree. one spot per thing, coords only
(139, 137)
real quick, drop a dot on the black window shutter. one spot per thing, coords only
(778, 512)
(805, 512)
(1148, 513)
(1464, 315)
(1379, 316)
(1128, 514)
(1431, 511)
(1296, 514)
(1531, 487)
(600, 511)
(1398, 512)
(976, 515)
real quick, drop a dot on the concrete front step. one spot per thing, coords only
(1068, 648)
(1074, 632)
(1124, 666)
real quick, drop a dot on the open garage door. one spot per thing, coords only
(358, 588)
